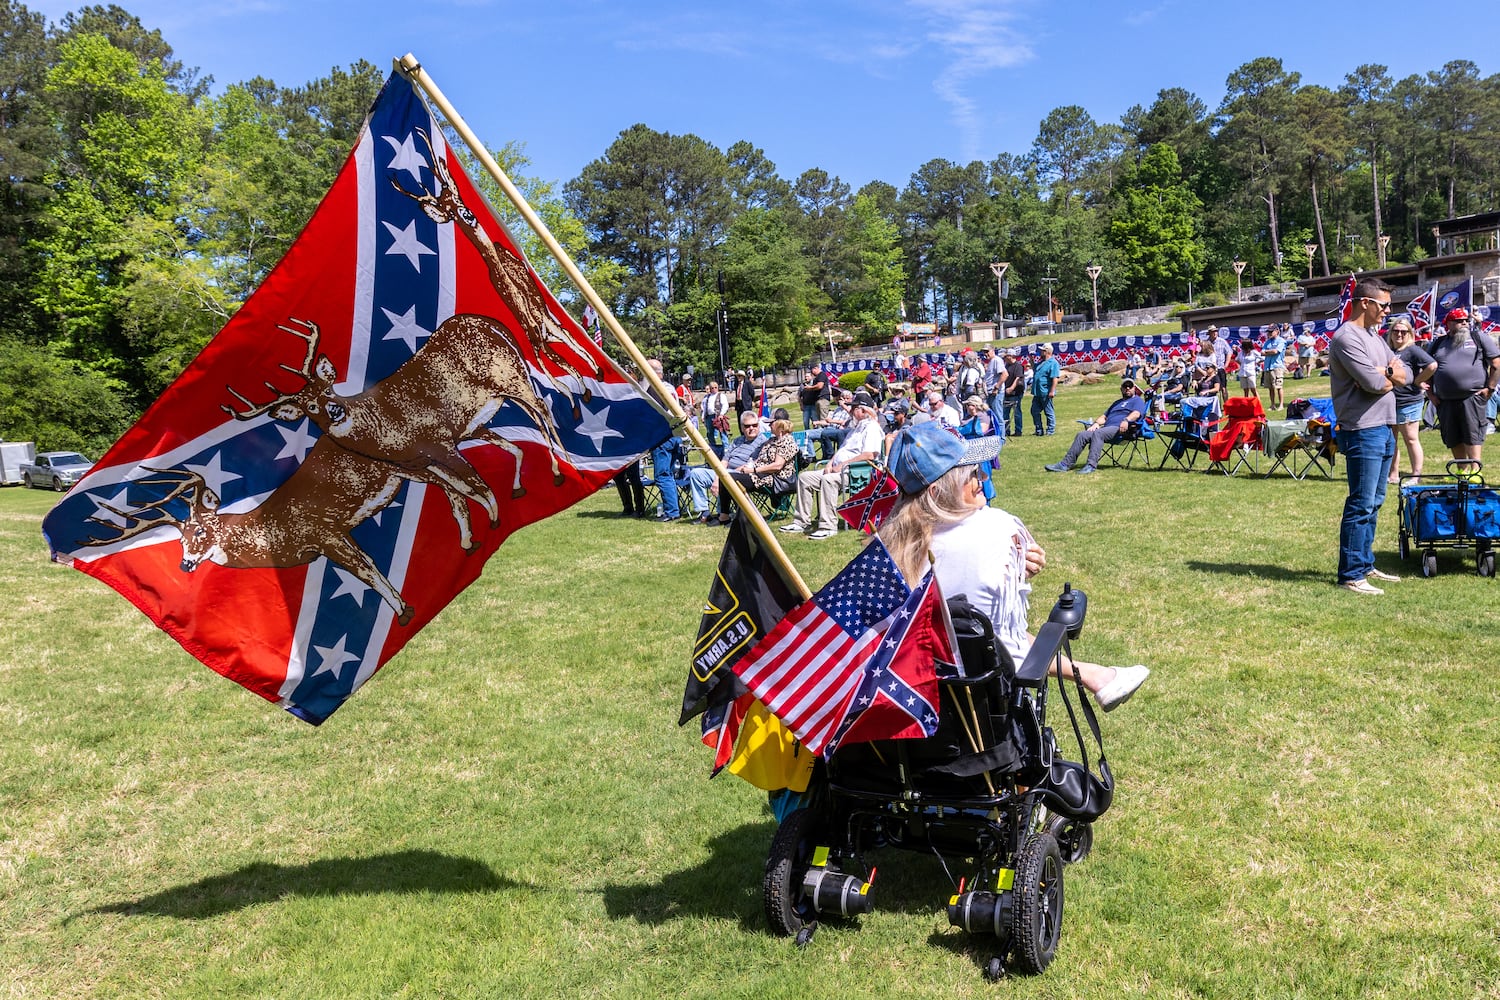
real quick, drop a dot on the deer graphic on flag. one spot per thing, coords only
(399, 395)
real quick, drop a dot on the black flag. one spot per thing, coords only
(746, 600)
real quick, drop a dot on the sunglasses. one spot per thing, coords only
(1384, 306)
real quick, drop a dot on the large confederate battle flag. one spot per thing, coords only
(399, 396)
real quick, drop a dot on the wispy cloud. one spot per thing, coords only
(977, 37)
(1136, 19)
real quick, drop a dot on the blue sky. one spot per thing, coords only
(866, 90)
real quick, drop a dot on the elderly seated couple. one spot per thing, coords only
(760, 463)
(1129, 409)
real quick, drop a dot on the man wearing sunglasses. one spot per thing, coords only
(1363, 373)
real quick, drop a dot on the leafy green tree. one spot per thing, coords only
(768, 288)
(1366, 93)
(823, 201)
(1323, 145)
(1256, 128)
(873, 302)
(28, 145)
(1154, 232)
(57, 403)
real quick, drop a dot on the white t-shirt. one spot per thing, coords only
(864, 436)
(982, 558)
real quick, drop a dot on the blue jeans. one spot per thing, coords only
(1041, 406)
(996, 403)
(1013, 408)
(661, 471)
(1368, 454)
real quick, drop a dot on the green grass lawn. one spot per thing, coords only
(1308, 798)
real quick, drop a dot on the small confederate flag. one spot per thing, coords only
(868, 509)
(1346, 301)
(1420, 311)
(863, 635)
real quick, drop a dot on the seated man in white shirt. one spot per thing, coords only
(939, 409)
(862, 443)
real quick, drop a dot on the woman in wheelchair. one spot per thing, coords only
(977, 551)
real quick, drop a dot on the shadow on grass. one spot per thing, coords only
(1262, 571)
(400, 872)
(726, 883)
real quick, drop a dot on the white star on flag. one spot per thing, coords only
(407, 158)
(296, 441)
(214, 475)
(351, 585)
(404, 328)
(379, 513)
(407, 243)
(595, 427)
(334, 658)
(102, 511)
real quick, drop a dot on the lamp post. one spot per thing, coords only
(1239, 269)
(999, 267)
(1311, 249)
(1383, 240)
(1093, 271)
(1049, 281)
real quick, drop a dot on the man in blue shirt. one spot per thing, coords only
(1128, 409)
(1274, 374)
(1043, 389)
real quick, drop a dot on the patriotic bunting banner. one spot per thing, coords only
(399, 396)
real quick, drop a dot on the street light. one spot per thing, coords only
(1239, 269)
(1050, 282)
(1093, 271)
(1383, 240)
(1311, 249)
(999, 268)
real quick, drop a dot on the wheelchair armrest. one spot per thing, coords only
(1033, 670)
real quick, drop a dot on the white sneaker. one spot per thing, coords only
(1361, 587)
(1383, 577)
(1118, 691)
(794, 527)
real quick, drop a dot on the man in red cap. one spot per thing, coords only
(1468, 369)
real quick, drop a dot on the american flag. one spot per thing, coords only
(815, 665)
(867, 509)
(338, 557)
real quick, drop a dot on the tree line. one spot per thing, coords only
(140, 208)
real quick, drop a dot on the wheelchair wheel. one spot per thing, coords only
(1075, 839)
(1038, 903)
(787, 912)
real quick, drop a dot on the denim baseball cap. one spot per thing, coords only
(922, 454)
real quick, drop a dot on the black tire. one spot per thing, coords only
(26, 480)
(1075, 838)
(1403, 545)
(57, 484)
(1429, 563)
(1487, 562)
(994, 970)
(1038, 902)
(787, 912)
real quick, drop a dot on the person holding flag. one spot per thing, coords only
(977, 551)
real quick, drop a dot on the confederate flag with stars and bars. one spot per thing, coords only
(398, 396)
(857, 662)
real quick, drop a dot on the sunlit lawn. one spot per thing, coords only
(1307, 808)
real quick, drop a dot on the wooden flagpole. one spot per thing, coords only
(412, 69)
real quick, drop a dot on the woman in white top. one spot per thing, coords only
(977, 551)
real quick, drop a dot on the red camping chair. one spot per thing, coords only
(1237, 443)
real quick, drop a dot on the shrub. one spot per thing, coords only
(853, 380)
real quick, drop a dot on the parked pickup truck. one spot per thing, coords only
(55, 470)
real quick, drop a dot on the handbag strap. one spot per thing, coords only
(1088, 710)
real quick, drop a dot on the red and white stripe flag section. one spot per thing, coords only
(855, 663)
(399, 395)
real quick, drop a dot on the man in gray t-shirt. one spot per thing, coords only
(1467, 373)
(1363, 371)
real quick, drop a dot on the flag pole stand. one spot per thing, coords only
(410, 67)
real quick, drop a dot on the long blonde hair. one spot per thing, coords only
(907, 531)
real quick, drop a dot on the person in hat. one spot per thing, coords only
(1468, 369)
(862, 443)
(1044, 379)
(1129, 409)
(1013, 392)
(977, 551)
